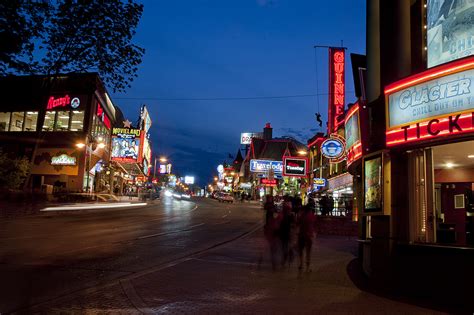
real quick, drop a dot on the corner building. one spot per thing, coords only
(63, 126)
(417, 198)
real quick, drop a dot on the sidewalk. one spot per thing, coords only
(229, 280)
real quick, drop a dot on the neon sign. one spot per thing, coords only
(268, 182)
(436, 103)
(64, 160)
(58, 102)
(295, 166)
(334, 148)
(336, 88)
(103, 116)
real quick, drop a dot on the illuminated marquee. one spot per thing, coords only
(352, 134)
(436, 103)
(336, 88)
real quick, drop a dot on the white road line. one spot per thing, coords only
(225, 215)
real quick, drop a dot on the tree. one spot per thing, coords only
(13, 171)
(67, 36)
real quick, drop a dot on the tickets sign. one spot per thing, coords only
(437, 102)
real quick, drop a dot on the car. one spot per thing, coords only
(225, 197)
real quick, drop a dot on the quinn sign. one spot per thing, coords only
(435, 103)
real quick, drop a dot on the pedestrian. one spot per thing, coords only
(284, 233)
(242, 196)
(270, 230)
(330, 205)
(306, 221)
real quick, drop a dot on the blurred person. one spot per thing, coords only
(270, 230)
(285, 220)
(306, 221)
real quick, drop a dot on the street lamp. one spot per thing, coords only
(215, 178)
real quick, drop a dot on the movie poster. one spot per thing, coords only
(373, 184)
(450, 30)
(125, 145)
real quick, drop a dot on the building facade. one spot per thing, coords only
(63, 125)
(418, 159)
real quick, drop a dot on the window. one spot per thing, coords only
(49, 119)
(77, 120)
(31, 119)
(62, 121)
(4, 121)
(17, 121)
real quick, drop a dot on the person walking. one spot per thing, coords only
(305, 236)
(285, 220)
(270, 230)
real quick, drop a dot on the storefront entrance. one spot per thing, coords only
(441, 181)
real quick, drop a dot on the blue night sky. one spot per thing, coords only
(235, 49)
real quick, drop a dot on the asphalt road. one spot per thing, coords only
(55, 254)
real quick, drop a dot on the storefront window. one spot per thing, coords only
(77, 120)
(31, 119)
(49, 119)
(62, 122)
(441, 194)
(4, 121)
(17, 121)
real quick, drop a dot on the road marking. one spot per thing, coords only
(189, 228)
(225, 215)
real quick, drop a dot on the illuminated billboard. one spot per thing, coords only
(189, 180)
(352, 134)
(162, 169)
(450, 30)
(432, 104)
(295, 166)
(246, 137)
(126, 145)
(373, 184)
(145, 119)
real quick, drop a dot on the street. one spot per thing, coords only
(45, 256)
(167, 257)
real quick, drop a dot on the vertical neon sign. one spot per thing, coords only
(336, 88)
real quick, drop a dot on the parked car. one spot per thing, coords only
(225, 197)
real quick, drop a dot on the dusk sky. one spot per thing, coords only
(235, 49)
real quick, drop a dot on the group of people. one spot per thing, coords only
(288, 231)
